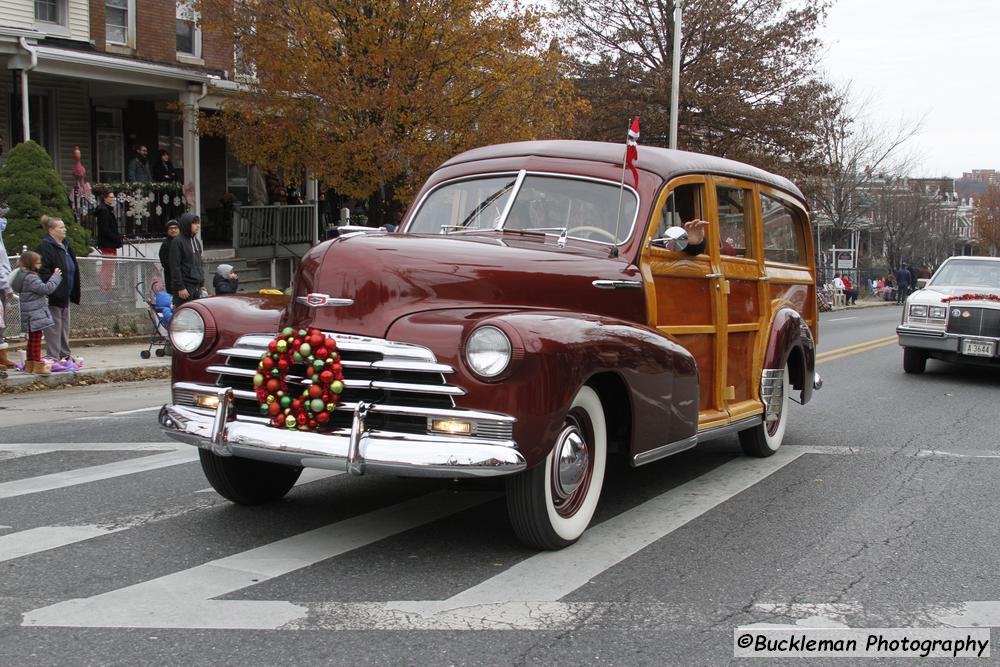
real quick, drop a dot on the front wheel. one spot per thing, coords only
(245, 481)
(552, 504)
(765, 438)
(914, 360)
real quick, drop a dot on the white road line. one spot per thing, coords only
(928, 453)
(118, 414)
(59, 480)
(841, 319)
(308, 475)
(27, 542)
(183, 599)
(971, 614)
(19, 449)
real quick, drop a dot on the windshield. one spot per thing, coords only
(968, 274)
(574, 207)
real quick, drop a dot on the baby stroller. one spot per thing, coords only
(824, 300)
(160, 309)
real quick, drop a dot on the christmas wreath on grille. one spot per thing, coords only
(318, 355)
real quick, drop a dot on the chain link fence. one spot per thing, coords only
(110, 304)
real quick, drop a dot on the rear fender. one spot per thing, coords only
(555, 353)
(791, 341)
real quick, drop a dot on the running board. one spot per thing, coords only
(642, 458)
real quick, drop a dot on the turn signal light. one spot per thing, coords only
(451, 427)
(206, 401)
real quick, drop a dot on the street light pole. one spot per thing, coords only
(675, 75)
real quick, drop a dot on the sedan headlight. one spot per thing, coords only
(187, 330)
(937, 312)
(918, 311)
(488, 351)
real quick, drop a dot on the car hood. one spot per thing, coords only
(938, 293)
(389, 276)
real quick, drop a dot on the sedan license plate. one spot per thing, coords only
(977, 348)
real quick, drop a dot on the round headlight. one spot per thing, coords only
(187, 330)
(488, 351)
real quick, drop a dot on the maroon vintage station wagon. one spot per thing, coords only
(532, 316)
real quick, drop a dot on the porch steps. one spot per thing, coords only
(254, 275)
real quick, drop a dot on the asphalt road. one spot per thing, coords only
(879, 511)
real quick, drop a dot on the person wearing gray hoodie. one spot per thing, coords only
(186, 276)
(35, 313)
(225, 281)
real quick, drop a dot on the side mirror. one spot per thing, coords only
(922, 282)
(675, 238)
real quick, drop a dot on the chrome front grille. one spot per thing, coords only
(404, 380)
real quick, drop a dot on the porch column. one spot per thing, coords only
(192, 144)
(312, 196)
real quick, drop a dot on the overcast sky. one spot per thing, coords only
(935, 59)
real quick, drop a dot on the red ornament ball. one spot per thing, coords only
(326, 377)
(315, 391)
(273, 385)
(283, 364)
(274, 408)
(268, 363)
(323, 417)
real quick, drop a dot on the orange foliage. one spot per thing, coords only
(986, 219)
(380, 92)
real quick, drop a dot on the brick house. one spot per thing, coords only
(105, 75)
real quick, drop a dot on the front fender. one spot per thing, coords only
(639, 372)
(791, 341)
(231, 316)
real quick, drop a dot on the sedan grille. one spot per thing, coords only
(973, 321)
(375, 371)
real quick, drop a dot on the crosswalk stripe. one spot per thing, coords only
(34, 540)
(182, 599)
(59, 480)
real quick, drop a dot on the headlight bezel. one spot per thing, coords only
(188, 340)
(917, 310)
(502, 344)
(942, 312)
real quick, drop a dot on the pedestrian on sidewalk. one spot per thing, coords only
(173, 229)
(6, 294)
(187, 278)
(36, 315)
(902, 283)
(57, 254)
(108, 239)
(850, 293)
(225, 280)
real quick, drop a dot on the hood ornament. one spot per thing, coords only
(317, 300)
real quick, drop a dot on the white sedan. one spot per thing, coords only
(955, 317)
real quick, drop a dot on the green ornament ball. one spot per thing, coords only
(258, 380)
(263, 409)
(305, 350)
(302, 333)
(336, 386)
(282, 346)
(275, 372)
(286, 401)
(316, 405)
(270, 399)
(297, 358)
(287, 331)
(290, 422)
(318, 364)
(333, 355)
(330, 407)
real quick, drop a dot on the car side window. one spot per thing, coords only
(782, 232)
(683, 204)
(735, 213)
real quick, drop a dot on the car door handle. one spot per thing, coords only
(713, 275)
(617, 284)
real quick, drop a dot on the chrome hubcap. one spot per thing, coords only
(573, 461)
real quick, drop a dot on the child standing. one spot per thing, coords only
(35, 314)
(5, 294)
(225, 281)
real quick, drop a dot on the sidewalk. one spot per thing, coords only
(101, 363)
(871, 302)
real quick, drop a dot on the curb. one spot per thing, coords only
(20, 343)
(19, 382)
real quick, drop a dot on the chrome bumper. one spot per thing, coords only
(358, 452)
(929, 340)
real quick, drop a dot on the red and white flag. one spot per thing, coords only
(632, 149)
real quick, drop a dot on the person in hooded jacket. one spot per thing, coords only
(172, 230)
(108, 238)
(57, 254)
(187, 278)
(225, 280)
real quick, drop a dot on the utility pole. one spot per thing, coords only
(675, 75)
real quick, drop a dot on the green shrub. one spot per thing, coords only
(31, 187)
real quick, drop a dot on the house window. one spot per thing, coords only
(170, 133)
(110, 146)
(48, 11)
(188, 34)
(118, 17)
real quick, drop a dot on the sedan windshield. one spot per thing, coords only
(561, 205)
(968, 273)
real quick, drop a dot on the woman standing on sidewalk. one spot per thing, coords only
(5, 294)
(35, 314)
(108, 239)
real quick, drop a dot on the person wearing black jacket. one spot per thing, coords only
(172, 231)
(108, 239)
(57, 254)
(187, 277)
(163, 170)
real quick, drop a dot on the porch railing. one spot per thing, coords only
(276, 226)
(142, 209)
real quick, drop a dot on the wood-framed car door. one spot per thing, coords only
(789, 256)
(685, 301)
(735, 217)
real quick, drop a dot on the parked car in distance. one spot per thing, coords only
(532, 316)
(955, 317)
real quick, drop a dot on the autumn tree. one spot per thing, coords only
(986, 219)
(902, 215)
(374, 93)
(748, 84)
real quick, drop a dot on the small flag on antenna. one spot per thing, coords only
(632, 149)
